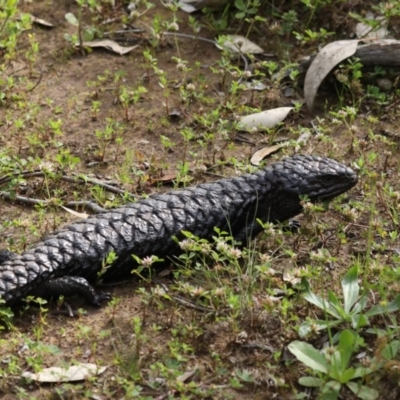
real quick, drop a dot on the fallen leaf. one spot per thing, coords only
(291, 277)
(264, 120)
(109, 45)
(303, 139)
(186, 375)
(327, 58)
(259, 155)
(166, 178)
(190, 6)
(41, 22)
(75, 213)
(366, 31)
(255, 85)
(73, 373)
(240, 44)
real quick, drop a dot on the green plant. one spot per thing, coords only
(353, 311)
(6, 316)
(128, 96)
(310, 36)
(333, 369)
(11, 27)
(84, 34)
(349, 75)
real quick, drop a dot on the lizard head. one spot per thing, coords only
(318, 178)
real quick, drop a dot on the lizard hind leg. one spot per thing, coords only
(69, 286)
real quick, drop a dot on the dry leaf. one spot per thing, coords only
(77, 214)
(41, 22)
(74, 373)
(166, 178)
(259, 155)
(303, 139)
(291, 277)
(186, 375)
(109, 45)
(255, 85)
(240, 44)
(328, 57)
(264, 120)
(365, 31)
(190, 6)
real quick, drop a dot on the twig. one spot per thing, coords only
(77, 179)
(183, 301)
(40, 79)
(193, 37)
(184, 35)
(26, 200)
(91, 205)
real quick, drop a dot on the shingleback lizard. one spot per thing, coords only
(65, 261)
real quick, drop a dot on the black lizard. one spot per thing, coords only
(64, 262)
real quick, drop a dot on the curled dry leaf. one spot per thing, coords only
(74, 373)
(259, 155)
(41, 22)
(187, 375)
(240, 44)
(190, 6)
(264, 120)
(109, 45)
(328, 57)
(255, 85)
(291, 277)
(77, 214)
(303, 139)
(168, 177)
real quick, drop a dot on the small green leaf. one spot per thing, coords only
(358, 321)
(308, 355)
(361, 372)
(333, 299)
(391, 349)
(330, 390)
(348, 375)
(310, 381)
(346, 347)
(71, 19)
(363, 392)
(380, 309)
(318, 301)
(350, 288)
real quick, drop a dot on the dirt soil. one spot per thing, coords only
(64, 84)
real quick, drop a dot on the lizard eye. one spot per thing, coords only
(328, 178)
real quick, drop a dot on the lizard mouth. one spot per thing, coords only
(338, 189)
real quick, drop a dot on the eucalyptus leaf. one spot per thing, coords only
(327, 58)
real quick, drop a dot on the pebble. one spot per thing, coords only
(384, 84)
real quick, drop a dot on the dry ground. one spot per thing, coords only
(172, 338)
